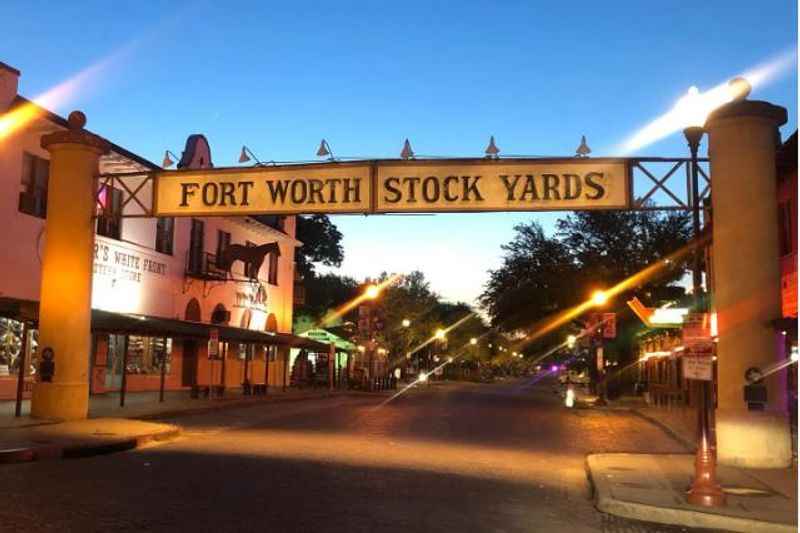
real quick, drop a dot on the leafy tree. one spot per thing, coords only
(322, 243)
(535, 279)
(542, 275)
(326, 292)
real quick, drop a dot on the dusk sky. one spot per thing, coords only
(280, 76)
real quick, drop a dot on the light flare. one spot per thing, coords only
(62, 93)
(651, 271)
(369, 294)
(693, 108)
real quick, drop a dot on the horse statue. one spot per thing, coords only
(251, 256)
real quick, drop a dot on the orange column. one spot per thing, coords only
(65, 305)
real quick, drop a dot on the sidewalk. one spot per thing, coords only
(111, 428)
(81, 438)
(145, 405)
(653, 488)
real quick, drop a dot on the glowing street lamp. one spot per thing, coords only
(440, 334)
(571, 341)
(423, 377)
(473, 341)
(406, 323)
(599, 298)
(372, 292)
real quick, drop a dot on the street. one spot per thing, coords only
(451, 457)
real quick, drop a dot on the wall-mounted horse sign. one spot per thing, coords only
(251, 256)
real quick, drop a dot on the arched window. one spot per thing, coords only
(272, 323)
(246, 317)
(220, 315)
(193, 312)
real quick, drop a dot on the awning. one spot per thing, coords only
(151, 326)
(326, 337)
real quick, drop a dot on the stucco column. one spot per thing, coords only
(65, 301)
(743, 138)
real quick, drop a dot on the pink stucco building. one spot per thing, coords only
(156, 288)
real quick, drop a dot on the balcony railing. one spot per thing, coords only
(203, 265)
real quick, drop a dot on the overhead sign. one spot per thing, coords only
(391, 186)
(287, 189)
(486, 185)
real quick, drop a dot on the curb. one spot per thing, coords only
(671, 516)
(242, 403)
(79, 451)
(691, 446)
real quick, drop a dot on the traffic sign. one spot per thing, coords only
(609, 325)
(213, 342)
(697, 331)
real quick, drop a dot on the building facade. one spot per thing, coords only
(150, 268)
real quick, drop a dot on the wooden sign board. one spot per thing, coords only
(396, 186)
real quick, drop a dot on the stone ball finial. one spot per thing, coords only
(739, 88)
(76, 120)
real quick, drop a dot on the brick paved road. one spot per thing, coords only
(494, 458)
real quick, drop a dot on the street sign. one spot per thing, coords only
(213, 342)
(600, 361)
(392, 186)
(609, 325)
(697, 331)
(698, 366)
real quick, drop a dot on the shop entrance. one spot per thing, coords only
(189, 366)
(114, 362)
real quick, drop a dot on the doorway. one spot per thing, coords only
(189, 367)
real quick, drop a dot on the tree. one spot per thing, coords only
(322, 243)
(326, 292)
(541, 275)
(534, 280)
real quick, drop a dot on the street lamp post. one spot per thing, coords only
(705, 489)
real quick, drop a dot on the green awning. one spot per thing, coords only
(326, 337)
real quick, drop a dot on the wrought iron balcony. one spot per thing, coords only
(203, 265)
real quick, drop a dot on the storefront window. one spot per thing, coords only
(146, 353)
(11, 345)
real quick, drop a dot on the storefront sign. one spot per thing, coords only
(396, 187)
(254, 297)
(698, 367)
(124, 263)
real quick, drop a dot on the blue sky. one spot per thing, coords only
(280, 76)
